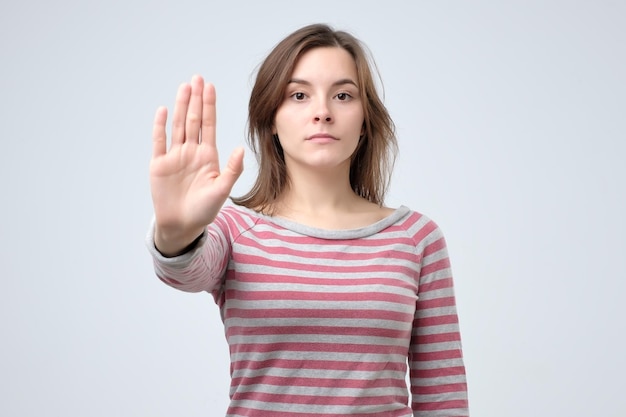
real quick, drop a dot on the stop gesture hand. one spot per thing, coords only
(188, 187)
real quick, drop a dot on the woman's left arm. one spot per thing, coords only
(437, 371)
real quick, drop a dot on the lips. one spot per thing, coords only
(322, 136)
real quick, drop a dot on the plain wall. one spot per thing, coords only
(511, 124)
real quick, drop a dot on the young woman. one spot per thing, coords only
(326, 295)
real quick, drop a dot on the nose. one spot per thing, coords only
(323, 114)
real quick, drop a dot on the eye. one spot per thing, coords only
(343, 96)
(298, 96)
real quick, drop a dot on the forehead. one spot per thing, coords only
(325, 62)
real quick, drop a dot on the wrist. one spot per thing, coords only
(171, 243)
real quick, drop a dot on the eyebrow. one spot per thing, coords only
(342, 81)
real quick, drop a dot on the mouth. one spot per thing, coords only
(322, 136)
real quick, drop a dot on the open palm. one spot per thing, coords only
(188, 187)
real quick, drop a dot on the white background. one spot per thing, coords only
(512, 125)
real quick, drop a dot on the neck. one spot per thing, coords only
(313, 192)
(326, 200)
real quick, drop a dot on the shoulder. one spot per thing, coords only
(233, 210)
(236, 219)
(421, 228)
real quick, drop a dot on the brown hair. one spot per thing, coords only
(372, 161)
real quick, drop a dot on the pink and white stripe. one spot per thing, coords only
(325, 323)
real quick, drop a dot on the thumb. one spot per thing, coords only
(233, 169)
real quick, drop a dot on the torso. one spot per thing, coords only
(320, 319)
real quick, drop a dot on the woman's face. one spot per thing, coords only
(321, 117)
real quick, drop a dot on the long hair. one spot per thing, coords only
(372, 161)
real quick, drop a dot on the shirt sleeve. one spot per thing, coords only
(202, 267)
(437, 371)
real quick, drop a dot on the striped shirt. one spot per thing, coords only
(324, 323)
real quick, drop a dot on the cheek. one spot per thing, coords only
(359, 117)
(283, 120)
(359, 123)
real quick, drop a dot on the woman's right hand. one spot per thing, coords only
(188, 188)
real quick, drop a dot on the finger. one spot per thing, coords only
(194, 111)
(180, 113)
(232, 171)
(208, 115)
(159, 137)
